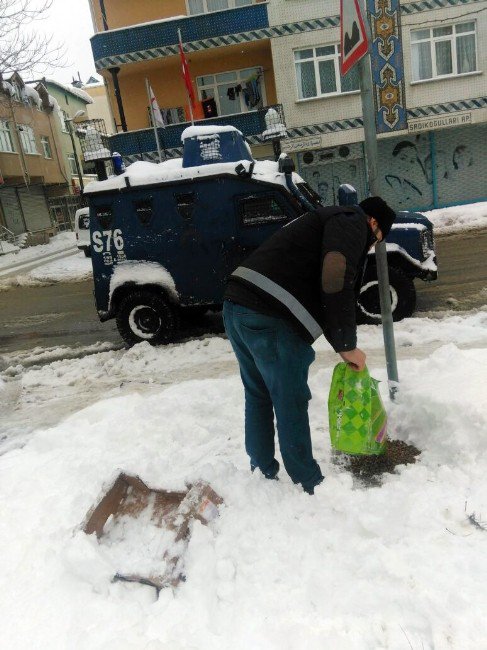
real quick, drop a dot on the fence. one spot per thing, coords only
(63, 209)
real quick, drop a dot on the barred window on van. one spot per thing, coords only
(258, 210)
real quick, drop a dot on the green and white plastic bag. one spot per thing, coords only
(358, 420)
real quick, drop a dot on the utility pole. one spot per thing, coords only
(371, 155)
(69, 120)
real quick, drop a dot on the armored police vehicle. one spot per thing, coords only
(164, 237)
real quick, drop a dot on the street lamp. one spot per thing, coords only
(70, 120)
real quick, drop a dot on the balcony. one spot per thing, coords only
(141, 145)
(159, 39)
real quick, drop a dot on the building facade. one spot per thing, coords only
(428, 62)
(31, 159)
(100, 108)
(70, 101)
(233, 77)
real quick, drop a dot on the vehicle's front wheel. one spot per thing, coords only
(145, 315)
(403, 296)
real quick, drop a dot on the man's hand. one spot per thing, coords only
(354, 358)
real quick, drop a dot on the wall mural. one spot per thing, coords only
(387, 65)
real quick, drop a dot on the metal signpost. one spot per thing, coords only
(354, 49)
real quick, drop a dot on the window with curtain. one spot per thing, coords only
(208, 6)
(27, 138)
(318, 72)
(443, 51)
(6, 143)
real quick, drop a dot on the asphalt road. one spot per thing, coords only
(64, 314)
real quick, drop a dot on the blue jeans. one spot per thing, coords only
(274, 363)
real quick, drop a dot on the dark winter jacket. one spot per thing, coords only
(309, 272)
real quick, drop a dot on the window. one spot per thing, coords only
(443, 51)
(207, 6)
(6, 143)
(27, 138)
(257, 210)
(62, 118)
(46, 146)
(72, 164)
(318, 72)
(226, 93)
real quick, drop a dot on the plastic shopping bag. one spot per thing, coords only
(358, 420)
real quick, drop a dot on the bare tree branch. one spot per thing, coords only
(22, 48)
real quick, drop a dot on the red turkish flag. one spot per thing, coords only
(186, 75)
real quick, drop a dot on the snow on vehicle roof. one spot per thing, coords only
(193, 131)
(142, 173)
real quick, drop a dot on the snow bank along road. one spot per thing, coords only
(384, 568)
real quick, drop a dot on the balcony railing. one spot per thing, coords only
(141, 145)
(159, 39)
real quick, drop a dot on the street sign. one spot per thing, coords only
(353, 37)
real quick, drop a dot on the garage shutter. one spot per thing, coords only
(11, 210)
(34, 207)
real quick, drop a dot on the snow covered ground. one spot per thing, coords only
(63, 241)
(390, 567)
(458, 218)
(74, 268)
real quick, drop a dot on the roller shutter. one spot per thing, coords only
(35, 208)
(11, 209)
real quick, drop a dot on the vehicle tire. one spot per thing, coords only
(87, 252)
(145, 315)
(403, 296)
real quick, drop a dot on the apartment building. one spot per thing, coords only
(70, 101)
(100, 108)
(429, 61)
(31, 162)
(230, 62)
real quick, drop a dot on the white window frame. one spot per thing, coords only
(232, 4)
(6, 140)
(241, 78)
(46, 147)
(28, 139)
(72, 164)
(335, 57)
(448, 37)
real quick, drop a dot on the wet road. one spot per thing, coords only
(64, 314)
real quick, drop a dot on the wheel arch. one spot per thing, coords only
(123, 290)
(397, 260)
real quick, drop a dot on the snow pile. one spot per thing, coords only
(203, 131)
(7, 247)
(142, 173)
(352, 568)
(142, 272)
(75, 268)
(458, 218)
(63, 241)
(29, 93)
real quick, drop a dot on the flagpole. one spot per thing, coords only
(187, 91)
(154, 123)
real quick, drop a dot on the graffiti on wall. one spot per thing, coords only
(424, 171)
(387, 65)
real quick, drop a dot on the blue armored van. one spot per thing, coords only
(164, 237)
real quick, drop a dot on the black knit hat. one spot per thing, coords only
(376, 207)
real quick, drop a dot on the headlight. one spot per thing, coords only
(427, 244)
